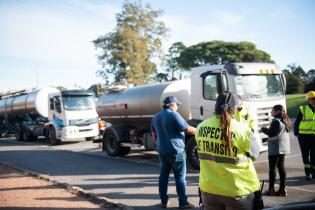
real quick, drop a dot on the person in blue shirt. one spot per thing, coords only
(168, 132)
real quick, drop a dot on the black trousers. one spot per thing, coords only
(307, 146)
(276, 161)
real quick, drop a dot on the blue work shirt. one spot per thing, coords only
(169, 127)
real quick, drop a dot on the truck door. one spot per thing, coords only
(212, 85)
(55, 112)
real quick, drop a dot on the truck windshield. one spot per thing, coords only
(78, 102)
(258, 86)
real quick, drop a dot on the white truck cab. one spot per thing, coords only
(72, 115)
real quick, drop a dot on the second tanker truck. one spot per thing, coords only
(57, 115)
(130, 110)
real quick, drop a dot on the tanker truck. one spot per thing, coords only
(57, 115)
(129, 110)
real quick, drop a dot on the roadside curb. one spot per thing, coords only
(102, 201)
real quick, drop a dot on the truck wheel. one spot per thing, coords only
(18, 133)
(52, 136)
(111, 143)
(192, 153)
(25, 135)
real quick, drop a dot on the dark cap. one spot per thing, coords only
(227, 101)
(170, 100)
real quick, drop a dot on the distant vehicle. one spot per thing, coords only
(130, 110)
(56, 115)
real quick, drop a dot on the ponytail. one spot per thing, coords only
(225, 124)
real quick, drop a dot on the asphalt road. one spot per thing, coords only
(133, 180)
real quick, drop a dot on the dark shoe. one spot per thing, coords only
(187, 206)
(270, 192)
(164, 205)
(282, 192)
(308, 178)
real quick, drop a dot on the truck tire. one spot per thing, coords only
(111, 143)
(192, 153)
(52, 136)
(26, 135)
(18, 133)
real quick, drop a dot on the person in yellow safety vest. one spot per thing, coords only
(242, 115)
(226, 147)
(304, 129)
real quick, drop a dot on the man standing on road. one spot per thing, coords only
(304, 129)
(168, 128)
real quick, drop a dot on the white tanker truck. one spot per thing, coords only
(130, 110)
(56, 115)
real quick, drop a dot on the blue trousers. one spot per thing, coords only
(176, 163)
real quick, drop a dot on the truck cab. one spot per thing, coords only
(72, 116)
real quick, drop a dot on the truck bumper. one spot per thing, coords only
(76, 132)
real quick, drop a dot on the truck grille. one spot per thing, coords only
(263, 119)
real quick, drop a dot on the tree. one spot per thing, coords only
(97, 89)
(128, 50)
(310, 84)
(173, 69)
(294, 83)
(220, 52)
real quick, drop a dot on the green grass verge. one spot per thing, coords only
(293, 102)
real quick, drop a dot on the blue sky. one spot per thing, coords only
(49, 43)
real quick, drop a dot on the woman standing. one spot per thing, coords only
(278, 147)
(228, 178)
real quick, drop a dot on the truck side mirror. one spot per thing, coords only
(284, 83)
(223, 83)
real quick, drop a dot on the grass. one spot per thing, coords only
(293, 102)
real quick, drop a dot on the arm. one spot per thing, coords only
(254, 148)
(154, 136)
(190, 130)
(273, 130)
(297, 121)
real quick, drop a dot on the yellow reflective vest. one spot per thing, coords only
(307, 124)
(222, 172)
(245, 117)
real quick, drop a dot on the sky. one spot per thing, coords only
(49, 43)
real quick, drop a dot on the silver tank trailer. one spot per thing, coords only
(134, 107)
(32, 104)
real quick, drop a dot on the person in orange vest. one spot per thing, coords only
(304, 129)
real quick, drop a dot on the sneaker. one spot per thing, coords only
(308, 178)
(187, 206)
(164, 205)
(282, 192)
(270, 192)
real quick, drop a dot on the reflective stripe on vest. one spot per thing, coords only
(307, 124)
(222, 173)
(218, 159)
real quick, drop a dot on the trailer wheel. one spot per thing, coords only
(192, 153)
(52, 136)
(111, 143)
(18, 133)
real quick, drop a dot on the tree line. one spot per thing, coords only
(129, 51)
